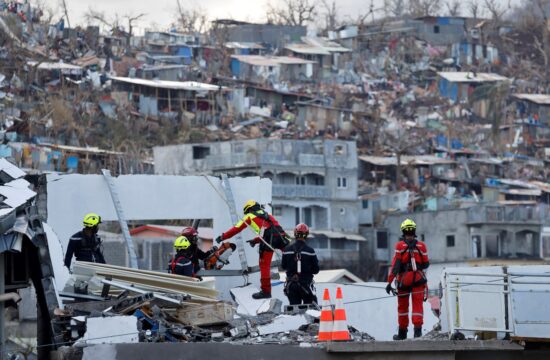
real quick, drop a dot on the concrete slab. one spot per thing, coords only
(111, 330)
(211, 350)
(246, 304)
(422, 346)
(283, 323)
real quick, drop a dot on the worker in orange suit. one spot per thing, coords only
(407, 268)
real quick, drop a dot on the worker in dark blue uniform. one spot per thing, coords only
(300, 263)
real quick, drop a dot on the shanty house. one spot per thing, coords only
(170, 98)
(459, 86)
(272, 35)
(324, 52)
(535, 108)
(271, 69)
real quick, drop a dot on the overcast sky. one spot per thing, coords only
(161, 12)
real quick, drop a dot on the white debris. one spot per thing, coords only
(111, 330)
(283, 323)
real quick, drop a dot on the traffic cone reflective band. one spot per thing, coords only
(325, 322)
(340, 330)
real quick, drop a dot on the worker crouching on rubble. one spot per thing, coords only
(300, 263)
(85, 245)
(182, 262)
(407, 267)
(271, 236)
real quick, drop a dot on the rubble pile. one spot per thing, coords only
(148, 309)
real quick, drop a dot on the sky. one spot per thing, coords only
(161, 13)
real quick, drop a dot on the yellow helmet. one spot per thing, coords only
(248, 205)
(91, 220)
(181, 243)
(408, 225)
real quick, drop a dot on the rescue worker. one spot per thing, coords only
(407, 268)
(182, 262)
(268, 229)
(196, 254)
(85, 245)
(300, 263)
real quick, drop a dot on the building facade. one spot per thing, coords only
(314, 182)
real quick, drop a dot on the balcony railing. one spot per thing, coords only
(534, 214)
(313, 160)
(301, 191)
(227, 161)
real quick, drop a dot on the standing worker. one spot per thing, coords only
(85, 245)
(300, 263)
(271, 236)
(407, 267)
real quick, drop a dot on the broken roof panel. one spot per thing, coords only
(406, 160)
(471, 77)
(258, 60)
(13, 171)
(243, 45)
(540, 99)
(173, 85)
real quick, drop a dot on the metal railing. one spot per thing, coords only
(301, 191)
(225, 161)
(312, 160)
(535, 214)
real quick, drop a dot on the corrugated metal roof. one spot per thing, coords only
(307, 49)
(243, 45)
(258, 60)
(541, 99)
(406, 160)
(470, 77)
(174, 85)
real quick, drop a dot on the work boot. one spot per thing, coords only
(261, 295)
(401, 334)
(417, 332)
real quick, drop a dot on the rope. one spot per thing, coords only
(247, 225)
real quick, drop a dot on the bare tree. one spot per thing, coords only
(453, 7)
(496, 9)
(191, 19)
(114, 22)
(394, 8)
(291, 12)
(424, 7)
(474, 8)
(330, 12)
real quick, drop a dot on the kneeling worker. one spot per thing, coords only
(300, 263)
(182, 262)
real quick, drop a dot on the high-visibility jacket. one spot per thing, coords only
(263, 224)
(402, 266)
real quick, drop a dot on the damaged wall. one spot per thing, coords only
(70, 197)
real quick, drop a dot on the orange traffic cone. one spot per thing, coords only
(325, 322)
(340, 330)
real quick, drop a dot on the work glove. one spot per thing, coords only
(219, 239)
(252, 242)
(389, 289)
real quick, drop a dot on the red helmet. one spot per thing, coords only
(301, 231)
(190, 233)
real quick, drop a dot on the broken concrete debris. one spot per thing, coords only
(145, 308)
